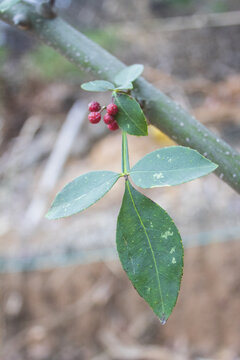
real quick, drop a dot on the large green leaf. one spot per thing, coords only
(128, 74)
(150, 250)
(98, 85)
(170, 166)
(130, 116)
(81, 193)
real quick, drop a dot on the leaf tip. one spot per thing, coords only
(48, 215)
(212, 165)
(51, 214)
(140, 66)
(83, 86)
(163, 319)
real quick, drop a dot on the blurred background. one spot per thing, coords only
(63, 293)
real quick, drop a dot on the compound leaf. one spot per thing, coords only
(150, 249)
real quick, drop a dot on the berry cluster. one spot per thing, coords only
(95, 114)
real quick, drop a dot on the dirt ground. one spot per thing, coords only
(92, 312)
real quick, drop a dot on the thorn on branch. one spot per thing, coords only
(45, 9)
(142, 103)
(22, 21)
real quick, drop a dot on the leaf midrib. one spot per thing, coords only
(170, 170)
(150, 246)
(115, 177)
(97, 187)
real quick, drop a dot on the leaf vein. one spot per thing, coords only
(150, 246)
(166, 171)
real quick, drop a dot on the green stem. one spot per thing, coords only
(125, 155)
(160, 110)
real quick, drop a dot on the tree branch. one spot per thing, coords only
(161, 110)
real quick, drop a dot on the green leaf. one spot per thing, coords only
(170, 166)
(128, 74)
(130, 116)
(127, 86)
(150, 249)
(81, 193)
(98, 85)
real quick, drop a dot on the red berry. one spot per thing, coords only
(113, 126)
(112, 109)
(94, 106)
(94, 117)
(108, 119)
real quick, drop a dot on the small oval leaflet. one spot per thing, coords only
(98, 85)
(129, 74)
(170, 166)
(81, 193)
(130, 116)
(125, 86)
(150, 249)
